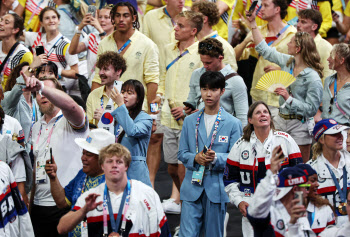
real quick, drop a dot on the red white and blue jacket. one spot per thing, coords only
(245, 157)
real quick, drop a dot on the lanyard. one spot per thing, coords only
(107, 202)
(278, 35)
(49, 137)
(84, 184)
(214, 36)
(117, 133)
(216, 125)
(6, 63)
(102, 102)
(167, 13)
(53, 47)
(342, 193)
(76, 22)
(311, 217)
(33, 13)
(176, 59)
(335, 90)
(124, 46)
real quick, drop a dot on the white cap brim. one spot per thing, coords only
(281, 192)
(336, 129)
(81, 142)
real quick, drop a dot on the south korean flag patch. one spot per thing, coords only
(223, 139)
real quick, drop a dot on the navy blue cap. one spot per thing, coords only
(327, 126)
(291, 176)
(308, 170)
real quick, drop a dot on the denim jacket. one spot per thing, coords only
(306, 91)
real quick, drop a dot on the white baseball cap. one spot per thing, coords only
(96, 140)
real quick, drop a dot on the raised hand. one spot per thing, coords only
(51, 169)
(117, 97)
(90, 202)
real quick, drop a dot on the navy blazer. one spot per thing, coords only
(229, 131)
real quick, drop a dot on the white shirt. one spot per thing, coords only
(209, 121)
(66, 152)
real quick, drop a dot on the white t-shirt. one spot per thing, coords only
(209, 121)
(11, 126)
(66, 152)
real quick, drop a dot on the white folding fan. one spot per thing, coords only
(271, 80)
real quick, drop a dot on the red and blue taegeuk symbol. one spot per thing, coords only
(107, 118)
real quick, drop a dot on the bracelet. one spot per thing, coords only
(42, 88)
(14, 5)
(77, 31)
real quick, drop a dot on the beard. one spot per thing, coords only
(47, 109)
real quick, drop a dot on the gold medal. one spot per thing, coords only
(113, 234)
(15, 137)
(342, 208)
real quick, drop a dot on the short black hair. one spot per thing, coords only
(51, 65)
(212, 80)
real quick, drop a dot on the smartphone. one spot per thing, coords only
(252, 8)
(92, 10)
(51, 155)
(205, 149)
(299, 195)
(39, 50)
(118, 85)
(189, 105)
(154, 107)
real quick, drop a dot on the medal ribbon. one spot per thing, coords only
(107, 203)
(342, 193)
(216, 125)
(124, 46)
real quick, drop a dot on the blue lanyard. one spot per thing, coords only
(33, 117)
(53, 47)
(167, 13)
(342, 193)
(124, 46)
(176, 59)
(107, 201)
(291, 70)
(216, 125)
(311, 217)
(335, 90)
(278, 35)
(214, 36)
(76, 22)
(102, 102)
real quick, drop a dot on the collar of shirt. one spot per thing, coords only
(161, 13)
(226, 70)
(337, 171)
(191, 50)
(133, 38)
(210, 35)
(52, 42)
(42, 119)
(254, 138)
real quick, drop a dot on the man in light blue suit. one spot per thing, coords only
(202, 191)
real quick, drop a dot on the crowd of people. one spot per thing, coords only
(94, 93)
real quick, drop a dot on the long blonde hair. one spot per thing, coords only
(317, 148)
(308, 52)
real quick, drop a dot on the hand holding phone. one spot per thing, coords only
(252, 8)
(189, 105)
(39, 50)
(92, 10)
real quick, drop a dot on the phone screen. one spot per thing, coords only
(39, 50)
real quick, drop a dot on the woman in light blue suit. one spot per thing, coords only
(133, 127)
(204, 199)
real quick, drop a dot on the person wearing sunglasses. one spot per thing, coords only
(336, 91)
(298, 102)
(279, 204)
(332, 164)
(319, 211)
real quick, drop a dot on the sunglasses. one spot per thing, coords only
(203, 45)
(307, 186)
(330, 109)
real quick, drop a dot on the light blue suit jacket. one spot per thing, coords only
(136, 139)
(229, 131)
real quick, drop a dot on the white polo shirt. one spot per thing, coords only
(66, 152)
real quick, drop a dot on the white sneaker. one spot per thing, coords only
(171, 207)
(177, 230)
(168, 200)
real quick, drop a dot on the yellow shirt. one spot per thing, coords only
(281, 46)
(324, 48)
(337, 6)
(325, 10)
(93, 102)
(175, 82)
(31, 6)
(155, 20)
(229, 53)
(221, 26)
(241, 7)
(347, 9)
(142, 60)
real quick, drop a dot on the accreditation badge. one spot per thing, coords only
(40, 174)
(84, 229)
